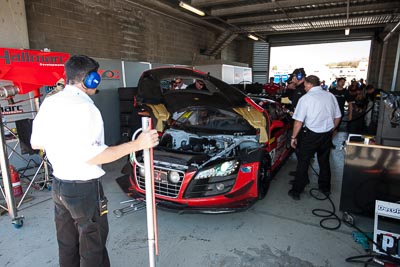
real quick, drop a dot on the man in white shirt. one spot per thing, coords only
(69, 127)
(316, 117)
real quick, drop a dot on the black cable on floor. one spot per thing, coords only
(328, 215)
(355, 259)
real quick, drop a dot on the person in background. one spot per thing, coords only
(69, 127)
(371, 116)
(352, 90)
(173, 85)
(271, 88)
(316, 117)
(198, 84)
(299, 76)
(355, 123)
(287, 92)
(291, 85)
(57, 88)
(324, 86)
(333, 84)
(179, 84)
(361, 85)
(340, 93)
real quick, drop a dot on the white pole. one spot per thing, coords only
(150, 209)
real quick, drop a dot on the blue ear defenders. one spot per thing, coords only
(299, 74)
(92, 80)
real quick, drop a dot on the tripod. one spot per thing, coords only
(45, 182)
(24, 129)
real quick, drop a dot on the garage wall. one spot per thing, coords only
(115, 29)
(377, 52)
(374, 61)
(389, 64)
(239, 51)
(13, 28)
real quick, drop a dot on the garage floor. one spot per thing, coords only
(276, 231)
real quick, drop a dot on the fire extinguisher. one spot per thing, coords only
(16, 183)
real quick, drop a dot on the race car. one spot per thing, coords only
(218, 147)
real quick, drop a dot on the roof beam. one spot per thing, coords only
(268, 6)
(338, 12)
(270, 28)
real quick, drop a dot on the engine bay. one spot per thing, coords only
(211, 145)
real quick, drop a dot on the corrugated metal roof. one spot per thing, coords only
(271, 17)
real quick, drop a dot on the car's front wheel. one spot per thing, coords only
(264, 176)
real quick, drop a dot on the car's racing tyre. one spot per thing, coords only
(264, 176)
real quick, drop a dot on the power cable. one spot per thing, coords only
(359, 116)
(327, 215)
(376, 259)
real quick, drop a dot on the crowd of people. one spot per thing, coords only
(355, 100)
(318, 111)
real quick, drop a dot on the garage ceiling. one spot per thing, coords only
(267, 18)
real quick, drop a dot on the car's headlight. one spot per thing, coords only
(174, 177)
(141, 171)
(222, 169)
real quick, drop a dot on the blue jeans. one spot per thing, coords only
(81, 231)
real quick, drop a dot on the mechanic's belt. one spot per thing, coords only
(306, 130)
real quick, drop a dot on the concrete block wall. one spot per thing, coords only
(377, 47)
(390, 64)
(115, 29)
(13, 27)
(374, 62)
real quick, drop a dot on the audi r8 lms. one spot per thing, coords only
(218, 147)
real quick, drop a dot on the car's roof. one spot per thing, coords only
(218, 94)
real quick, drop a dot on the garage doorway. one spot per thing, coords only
(328, 61)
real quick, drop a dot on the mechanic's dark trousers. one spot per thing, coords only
(309, 144)
(81, 231)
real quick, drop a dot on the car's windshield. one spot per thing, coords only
(213, 119)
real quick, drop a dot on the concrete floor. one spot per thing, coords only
(276, 231)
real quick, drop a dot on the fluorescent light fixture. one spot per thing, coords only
(347, 31)
(251, 36)
(192, 9)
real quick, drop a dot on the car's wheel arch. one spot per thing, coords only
(264, 175)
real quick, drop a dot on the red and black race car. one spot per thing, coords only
(218, 147)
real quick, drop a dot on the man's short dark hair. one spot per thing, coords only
(78, 66)
(341, 78)
(314, 80)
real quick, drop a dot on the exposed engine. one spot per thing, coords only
(212, 145)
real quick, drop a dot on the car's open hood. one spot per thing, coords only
(219, 93)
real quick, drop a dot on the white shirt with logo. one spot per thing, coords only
(317, 109)
(70, 129)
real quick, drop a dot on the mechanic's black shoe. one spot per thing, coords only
(292, 173)
(294, 194)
